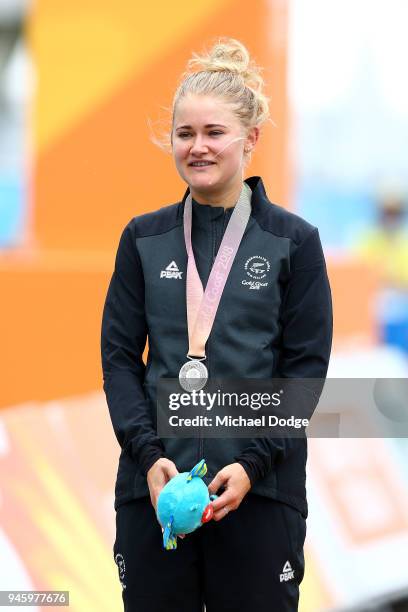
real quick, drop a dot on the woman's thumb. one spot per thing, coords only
(216, 482)
(171, 469)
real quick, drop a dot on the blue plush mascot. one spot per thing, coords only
(184, 504)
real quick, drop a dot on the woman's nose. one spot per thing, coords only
(199, 145)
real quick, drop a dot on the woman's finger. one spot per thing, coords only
(226, 499)
(222, 513)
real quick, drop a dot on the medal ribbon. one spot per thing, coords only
(202, 306)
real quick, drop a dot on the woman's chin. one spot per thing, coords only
(202, 180)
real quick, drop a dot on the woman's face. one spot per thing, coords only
(206, 129)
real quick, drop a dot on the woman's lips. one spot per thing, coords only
(201, 167)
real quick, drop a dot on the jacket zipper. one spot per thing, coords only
(201, 439)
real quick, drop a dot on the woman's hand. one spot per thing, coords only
(159, 475)
(236, 482)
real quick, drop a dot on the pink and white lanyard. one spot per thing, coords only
(202, 305)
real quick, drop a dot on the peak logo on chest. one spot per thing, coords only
(171, 271)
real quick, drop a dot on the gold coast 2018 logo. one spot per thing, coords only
(257, 267)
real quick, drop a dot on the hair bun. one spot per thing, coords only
(228, 54)
(231, 55)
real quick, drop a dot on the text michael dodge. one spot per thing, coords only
(239, 421)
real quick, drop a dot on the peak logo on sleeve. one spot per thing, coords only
(171, 271)
(287, 573)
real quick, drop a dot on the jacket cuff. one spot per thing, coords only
(253, 467)
(148, 456)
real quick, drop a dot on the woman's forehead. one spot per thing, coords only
(203, 110)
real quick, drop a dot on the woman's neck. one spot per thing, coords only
(227, 199)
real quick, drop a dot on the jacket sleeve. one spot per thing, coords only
(123, 339)
(306, 337)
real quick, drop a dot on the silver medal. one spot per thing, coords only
(193, 375)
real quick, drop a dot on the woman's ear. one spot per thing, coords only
(251, 139)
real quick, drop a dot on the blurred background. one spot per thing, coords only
(81, 85)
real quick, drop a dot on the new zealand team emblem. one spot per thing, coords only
(257, 267)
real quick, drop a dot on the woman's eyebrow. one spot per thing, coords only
(209, 125)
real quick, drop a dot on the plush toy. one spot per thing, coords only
(184, 504)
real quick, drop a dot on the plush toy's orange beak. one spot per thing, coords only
(207, 514)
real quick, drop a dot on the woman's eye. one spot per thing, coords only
(212, 133)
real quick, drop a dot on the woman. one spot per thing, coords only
(273, 320)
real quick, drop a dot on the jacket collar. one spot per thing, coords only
(258, 199)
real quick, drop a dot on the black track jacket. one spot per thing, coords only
(282, 329)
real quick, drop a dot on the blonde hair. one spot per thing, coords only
(226, 71)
